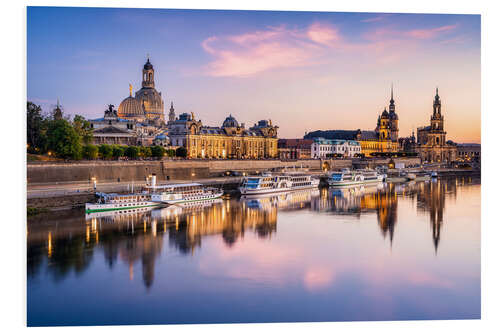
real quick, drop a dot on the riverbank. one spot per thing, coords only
(53, 197)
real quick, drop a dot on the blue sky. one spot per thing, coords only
(304, 70)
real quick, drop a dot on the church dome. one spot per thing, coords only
(151, 101)
(130, 107)
(230, 122)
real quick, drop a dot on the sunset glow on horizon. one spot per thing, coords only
(304, 70)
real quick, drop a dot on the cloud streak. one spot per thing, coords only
(279, 47)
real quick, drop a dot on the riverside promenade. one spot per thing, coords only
(77, 188)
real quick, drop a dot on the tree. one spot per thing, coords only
(82, 127)
(118, 151)
(181, 152)
(132, 152)
(106, 151)
(90, 152)
(36, 128)
(158, 152)
(171, 152)
(63, 140)
(144, 151)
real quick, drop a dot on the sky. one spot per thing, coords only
(304, 70)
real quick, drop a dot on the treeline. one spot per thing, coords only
(58, 136)
(55, 134)
(108, 152)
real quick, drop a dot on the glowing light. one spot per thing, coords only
(49, 244)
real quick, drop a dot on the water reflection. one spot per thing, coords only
(66, 243)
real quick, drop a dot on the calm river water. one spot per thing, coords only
(392, 252)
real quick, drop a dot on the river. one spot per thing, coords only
(387, 252)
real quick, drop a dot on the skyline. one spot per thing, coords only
(304, 70)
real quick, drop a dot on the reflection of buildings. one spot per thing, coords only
(224, 218)
(431, 199)
(357, 200)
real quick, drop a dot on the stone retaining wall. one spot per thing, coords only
(127, 171)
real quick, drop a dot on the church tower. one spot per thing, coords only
(393, 118)
(437, 135)
(384, 126)
(148, 97)
(171, 114)
(148, 75)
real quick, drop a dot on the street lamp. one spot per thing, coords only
(94, 182)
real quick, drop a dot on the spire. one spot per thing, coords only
(172, 105)
(130, 89)
(392, 95)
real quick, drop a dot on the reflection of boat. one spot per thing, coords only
(347, 177)
(434, 174)
(284, 200)
(112, 202)
(277, 182)
(115, 213)
(183, 193)
(180, 208)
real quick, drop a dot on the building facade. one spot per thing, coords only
(294, 149)
(469, 152)
(324, 148)
(112, 129)
(384, 139)
(231, 140)
(431, 140)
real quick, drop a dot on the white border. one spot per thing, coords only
(13, 264)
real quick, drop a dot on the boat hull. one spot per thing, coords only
(247, 191)
(96, 207)
(350, 183)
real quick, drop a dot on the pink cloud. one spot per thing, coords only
(430, 33)
(278, 47)
(323, 34)
(375, 18)
(394, 33)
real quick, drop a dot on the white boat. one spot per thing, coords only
(183, 193)
(277, 182)
(112, 202)
(357, 177)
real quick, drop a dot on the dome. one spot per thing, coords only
(152, 102)
(130, 107)
(385, 114)
(230, 122)
(148, 65)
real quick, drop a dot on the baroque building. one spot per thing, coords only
(294, 149)
(231, 140)
(324, 148)
(147, 104)
(431, 140)
(383, 139)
